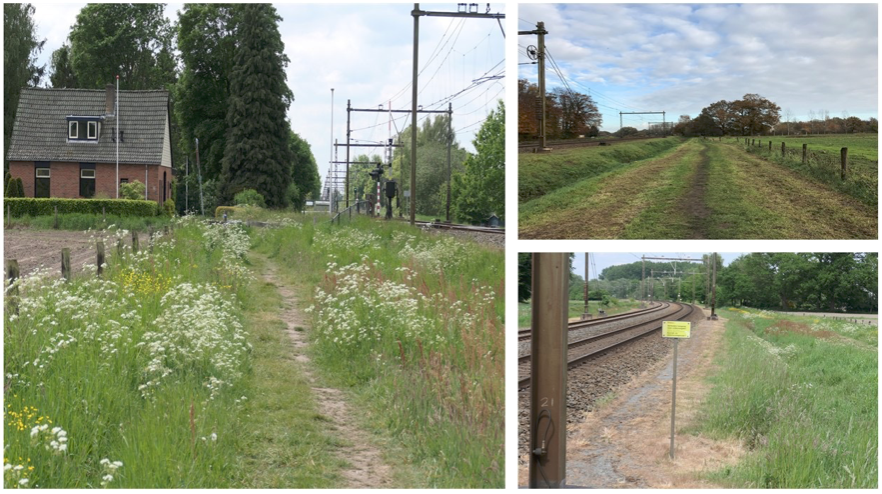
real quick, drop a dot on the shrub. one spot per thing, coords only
(45, 206)
(19, 187)
(230, 210)
(249, 197)
(15, 187)
(168, 207)
(133, 190)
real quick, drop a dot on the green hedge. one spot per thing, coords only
(46, 206)
(230, 210)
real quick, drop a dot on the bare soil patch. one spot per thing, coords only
(694, 207)
(35, 248)
(782, 327)
(367, 469)
(625, 444)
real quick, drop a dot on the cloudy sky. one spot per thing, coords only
(679, 58)
(364, 52)
(603, 260)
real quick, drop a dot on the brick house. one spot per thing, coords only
(64, 142)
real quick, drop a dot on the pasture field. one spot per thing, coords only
(525, 314)
(173, 369)
(702, 188)
(801, 394)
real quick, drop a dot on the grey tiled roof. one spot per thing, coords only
(40, 130)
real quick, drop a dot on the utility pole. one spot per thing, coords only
(548, 378)
(417, 13)
(714, 296)
(651, 284)
(643, 279)
(199, 174)
(540, 33)
(449, 146)
(693, 286)
(587, 311)
(331, 160)
(707, 283)
(641, 113)
(348, 131)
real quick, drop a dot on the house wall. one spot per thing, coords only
(65, 179)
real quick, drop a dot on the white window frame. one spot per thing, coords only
(85, 172)
(38, 171)
(89, 127)
(74, 126)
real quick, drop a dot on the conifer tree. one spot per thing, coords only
(257, 153)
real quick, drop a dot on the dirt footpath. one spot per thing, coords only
(35, 248)
(625, 444)
(367, 469)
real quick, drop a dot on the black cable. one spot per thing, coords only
(542, 449)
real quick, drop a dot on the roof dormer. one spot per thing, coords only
(83, 128)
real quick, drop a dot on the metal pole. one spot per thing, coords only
(587, 310)
(199, 175)
(449, 145)
(674, 396)
(714, 288)
(643, 280)
(548, 383)
(348, 113)
(187, 185)
(413, 115)
(117, 136)
(540, 28)
(331, 158)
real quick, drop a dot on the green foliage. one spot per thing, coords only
(249, 197)
(539, 174)
(134, 41)
(229, 210)
(479, 190)
(625, 132)
(206, 35)
(525, 276)
(304, 173)
(46, 206)
(257, 153)
(62, 75)
(15, 187)
(20, 50)
(168, 207)
(133, 190)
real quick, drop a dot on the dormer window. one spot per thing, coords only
(83, 128)
(73, 128)
(92, 132)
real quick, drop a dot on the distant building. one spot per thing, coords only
(64, 142)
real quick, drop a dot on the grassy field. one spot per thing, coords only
(79, 221)
(801, 394)
(412, 324)
(700, 189)
(543, 173)
(576, 308)
(823, 160)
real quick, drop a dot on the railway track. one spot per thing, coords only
(454, 226)
(584, 349)
(524, 334)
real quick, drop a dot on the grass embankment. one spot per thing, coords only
(80, 222)
(823, 161)
(145, 377)
(412, 324)
(801, 393)
(576, 307)
(542, 173)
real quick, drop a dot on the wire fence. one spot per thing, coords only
(856, 177)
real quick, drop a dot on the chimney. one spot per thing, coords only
(109, 99)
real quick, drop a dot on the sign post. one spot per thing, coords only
(676, 330)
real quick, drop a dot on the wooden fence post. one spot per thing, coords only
(782, 149)
(150, 238)
(119, 247)
(844, 163)
(65, 263)
(55, 226)
(8, 216)
(134, 242)
(804, 151)
(770, 146)
(103, 213)
(99, 247)
(12, 274)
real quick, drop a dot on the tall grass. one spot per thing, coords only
(823, 163)
(804, 404)
(141, 367)
(413, 324)
(540, 174)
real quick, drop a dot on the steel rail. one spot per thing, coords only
(524, 334)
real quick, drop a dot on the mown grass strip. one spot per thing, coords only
(805, 404)
(542, 173)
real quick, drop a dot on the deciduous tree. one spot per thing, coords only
(20, 49)
(480, 189)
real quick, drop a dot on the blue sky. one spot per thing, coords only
(606, 259)
(363, 51)
(679, 58)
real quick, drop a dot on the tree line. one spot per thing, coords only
(756, 115)
(835, 282)
(569, 114)
(228, 88)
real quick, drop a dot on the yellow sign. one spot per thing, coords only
(676, 329)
